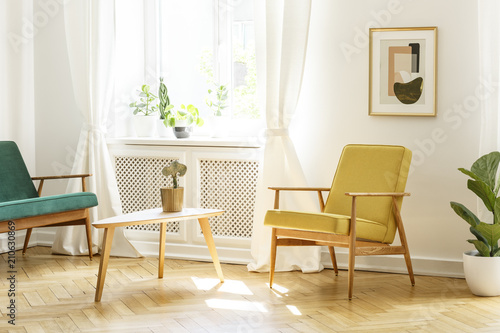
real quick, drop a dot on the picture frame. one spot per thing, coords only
(403, 71)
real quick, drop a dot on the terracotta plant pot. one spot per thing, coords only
(172, 199)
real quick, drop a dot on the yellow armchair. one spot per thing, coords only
(362, 211)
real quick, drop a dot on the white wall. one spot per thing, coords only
(333, 111)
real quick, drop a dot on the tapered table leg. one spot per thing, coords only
(161, 255)
(207, 233)
(103, 265)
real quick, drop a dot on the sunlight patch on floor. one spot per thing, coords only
(205, 284)
(293, 309)
(235, 287)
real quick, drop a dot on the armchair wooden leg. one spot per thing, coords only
(350, 273)
(334, 260)
(88, 229)
(273, 258)
(409, 267)
(402, 237)
(27, 240)
(352, 248)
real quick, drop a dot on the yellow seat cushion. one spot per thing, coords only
(324, 222)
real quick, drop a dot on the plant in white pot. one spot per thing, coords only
(183, 119)
(164, 107)
(217, 101)
(144, 112)
(172, 198)
(482, 267)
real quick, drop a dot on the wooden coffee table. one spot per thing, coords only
(154, 216)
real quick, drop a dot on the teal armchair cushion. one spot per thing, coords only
(17, 209)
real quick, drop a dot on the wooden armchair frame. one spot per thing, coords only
(72, 217)
(291, 237)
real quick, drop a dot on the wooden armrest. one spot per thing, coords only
(315, 189)
(325, 189)
(61, 177)
(42, 179)
(386, 194)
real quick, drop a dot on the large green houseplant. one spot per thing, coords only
(481, 266)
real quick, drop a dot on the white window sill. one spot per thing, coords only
(193, 141)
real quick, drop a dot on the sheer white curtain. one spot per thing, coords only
(17, 112)
(282, 29)
(489, 57)
(90, 33)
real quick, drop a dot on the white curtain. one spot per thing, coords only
(17, 111)
(90, 33)
(17, 114)
(489, 57)
(282, 29)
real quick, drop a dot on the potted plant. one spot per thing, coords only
(182, 120)
(217, 101)
(144, 112)
(482, 266)
(172, 198)
(164, 107)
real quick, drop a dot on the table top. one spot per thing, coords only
(155, 215)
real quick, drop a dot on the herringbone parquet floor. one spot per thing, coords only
(56, 294)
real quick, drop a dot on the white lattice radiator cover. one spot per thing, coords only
(139, 180)
(231, 186)
(223, 184)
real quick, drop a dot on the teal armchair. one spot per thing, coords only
(22, 206)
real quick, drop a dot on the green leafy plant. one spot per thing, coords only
(145, 104)
(484, 183)
(217, 99)
(175, 170)
(164, 106)
(189, 114)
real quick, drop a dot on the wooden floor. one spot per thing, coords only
(56, 294)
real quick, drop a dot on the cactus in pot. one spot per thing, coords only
(172, 198)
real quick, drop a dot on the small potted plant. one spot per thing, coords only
(183, 119)
(172, 198)
(482, 266)
(164, 107)
(144, 112)
(217, 101)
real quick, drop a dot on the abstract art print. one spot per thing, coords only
(403, 71)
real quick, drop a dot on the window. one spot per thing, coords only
(194, 45)
(205, 44)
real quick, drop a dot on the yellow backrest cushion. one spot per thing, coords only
(370, 168)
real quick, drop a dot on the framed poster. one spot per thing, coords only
(403, 71)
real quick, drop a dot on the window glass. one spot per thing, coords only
(186, 32)
(208, 44)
